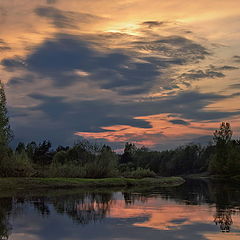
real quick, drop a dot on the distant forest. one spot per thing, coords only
(87, 160)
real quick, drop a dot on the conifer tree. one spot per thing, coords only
(5, 130)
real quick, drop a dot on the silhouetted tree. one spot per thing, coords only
(42, 154)
(5, 209)
(62, 148)
(20, 147)
(129, 152)
(30, 149)
(6, 134)
(223, 135)
(226, 159)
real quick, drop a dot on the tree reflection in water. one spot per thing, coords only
(90, 207)
(131, 198)
(5, 210)
(82, 208)
(86, 208)
(224, 220)
(226, 198)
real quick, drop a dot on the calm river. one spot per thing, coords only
(196, 210)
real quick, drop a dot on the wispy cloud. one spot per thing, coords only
(66, 19)
(79, 67)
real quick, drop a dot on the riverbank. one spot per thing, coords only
(208, 176)
(58, 183)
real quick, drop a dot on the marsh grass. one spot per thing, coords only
(38, 183)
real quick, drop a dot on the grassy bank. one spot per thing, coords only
(57, 183)
(218, 178)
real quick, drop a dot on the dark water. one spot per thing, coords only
(196, 210)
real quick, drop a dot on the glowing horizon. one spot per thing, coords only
(155, 73)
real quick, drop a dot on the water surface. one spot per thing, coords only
(196, 210)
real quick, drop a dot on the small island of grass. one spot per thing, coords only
(61, 183)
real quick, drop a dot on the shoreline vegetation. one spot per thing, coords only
(68, 183)
(86, 163)
(211, 177)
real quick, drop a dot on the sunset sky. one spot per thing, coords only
(156, 73)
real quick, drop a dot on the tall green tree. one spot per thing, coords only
(223, 135)
(221, 160)
(129, 152)
(6, 134)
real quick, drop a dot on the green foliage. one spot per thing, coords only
(66, 170)
(126, 167)
(140, 173)
(15, 164)
(22, 167)
(60, 157)
(226, 159)
(5, 209)
(42, 154)
(223, 135)
(6, 163)
(84, 160)
(129, 152)
(104, 165)
(20, 147)
(6, 134)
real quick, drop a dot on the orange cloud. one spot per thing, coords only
(162, 129)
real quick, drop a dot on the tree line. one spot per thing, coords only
(84, 159)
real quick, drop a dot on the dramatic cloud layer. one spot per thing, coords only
(80, 70)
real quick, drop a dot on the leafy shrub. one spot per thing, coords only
(15, 164)
(6, 163)
(22, 165)
(103, 166)
(60, 157)
(140, 173)
(66, 170)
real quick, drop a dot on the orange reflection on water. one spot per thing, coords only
(164, 214)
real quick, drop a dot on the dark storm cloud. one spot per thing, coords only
(235, 86)
(51, 1)
(14, 112)
(185, 139)
(65, 19)
(203, 140)
(189, 105)
(58, 58)
(89, 116)
(3, 46)
(20, 80)
(179, 121)
(151, 24)
(223, 68)
(12, 64)
(211, 72)
(198, 74)
(182, 49)
(139, 75)
(236, 58)
(54, 107)
(56, 61)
